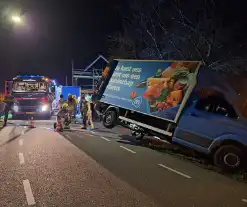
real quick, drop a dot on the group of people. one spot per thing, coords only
(68, 110)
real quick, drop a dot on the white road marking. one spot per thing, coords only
(105, 139)
(68, 137)
(125, 141)
(42, 127)
(28, 192)
(244, 200)
(38, 121)
(129, 150)
(21, 158)
(21, 142)
(93, 132)
(175, 171)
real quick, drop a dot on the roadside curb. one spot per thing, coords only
(159, 144)
(188, 155)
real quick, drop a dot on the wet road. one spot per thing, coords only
(102, 168)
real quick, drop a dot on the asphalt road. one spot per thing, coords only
(102, 168)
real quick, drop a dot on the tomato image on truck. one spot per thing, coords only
(34, 95)
(168, 99)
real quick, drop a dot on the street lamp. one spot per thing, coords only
(16, 19)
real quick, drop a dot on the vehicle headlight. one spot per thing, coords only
(44, 108)
(15, 108)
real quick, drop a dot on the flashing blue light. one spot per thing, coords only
(54, 82)
(30, 76)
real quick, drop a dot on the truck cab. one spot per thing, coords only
(213, 126)
(34, 95)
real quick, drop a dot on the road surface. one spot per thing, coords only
(102, 168)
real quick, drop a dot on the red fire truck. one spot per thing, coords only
(34, 95)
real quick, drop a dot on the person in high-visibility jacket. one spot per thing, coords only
(9, 100)
(75, 99)
(71, 106)
(62, 115)
(87, 113)
(75, 102)
(61, 101)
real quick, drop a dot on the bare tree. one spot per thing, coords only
(191, 30)
(122, 47)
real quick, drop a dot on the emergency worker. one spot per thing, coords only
(62, 115)
(9, 100)
(61, 102)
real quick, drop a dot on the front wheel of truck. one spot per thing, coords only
(110, 119)
(229, 158)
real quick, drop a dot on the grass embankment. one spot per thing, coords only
(192, 156)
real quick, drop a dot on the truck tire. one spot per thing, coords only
(137, 135)
(229, 158)
(110, 119)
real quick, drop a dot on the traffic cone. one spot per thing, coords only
(31, 124)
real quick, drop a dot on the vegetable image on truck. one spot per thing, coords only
(176, 101)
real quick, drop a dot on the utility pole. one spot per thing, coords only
(72, 72)
(93, 78)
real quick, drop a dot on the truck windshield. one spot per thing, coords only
(23, 86)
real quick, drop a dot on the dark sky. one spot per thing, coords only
(56, 32)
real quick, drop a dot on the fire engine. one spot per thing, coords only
(34, 95)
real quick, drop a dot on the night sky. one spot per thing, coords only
(55, 32)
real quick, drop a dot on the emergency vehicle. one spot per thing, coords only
(34, 95)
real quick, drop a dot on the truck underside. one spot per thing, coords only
(139, 124)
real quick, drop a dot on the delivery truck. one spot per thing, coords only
(165, 98)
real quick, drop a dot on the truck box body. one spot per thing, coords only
(154, 88)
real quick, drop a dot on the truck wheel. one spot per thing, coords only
(110, 119)
(137, 135)
(229, 158)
